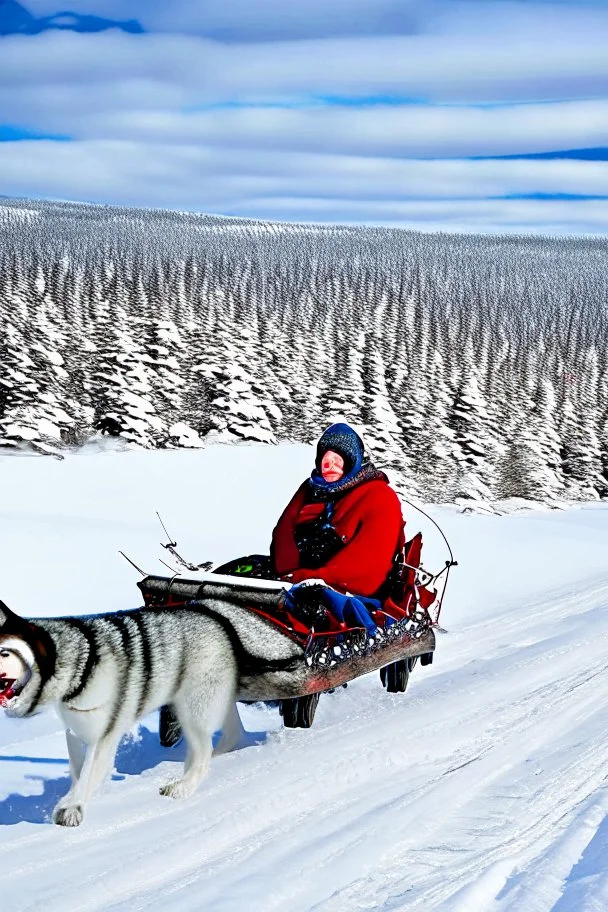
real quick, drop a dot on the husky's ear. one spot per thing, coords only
(5, 614)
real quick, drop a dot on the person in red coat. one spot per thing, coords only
(344, 524)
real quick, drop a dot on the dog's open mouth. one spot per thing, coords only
(15, 672)
(11, 688)
(7, 691)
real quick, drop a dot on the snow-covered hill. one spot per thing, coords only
(482, 789)
(478, 366)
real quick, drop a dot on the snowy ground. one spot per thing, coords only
(483, 789)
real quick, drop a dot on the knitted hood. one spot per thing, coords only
(342, 439)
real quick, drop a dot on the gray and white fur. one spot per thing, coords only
(104, 672)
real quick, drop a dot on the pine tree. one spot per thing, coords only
(479, 365)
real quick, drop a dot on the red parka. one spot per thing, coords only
(369, 521)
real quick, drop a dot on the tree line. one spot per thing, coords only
(477, 366)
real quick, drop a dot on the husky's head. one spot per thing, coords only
(23, 663)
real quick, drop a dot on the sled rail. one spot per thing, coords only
(158, 590)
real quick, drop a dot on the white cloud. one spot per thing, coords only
(214, 15)
(138, 87)
(484, 216)
(305, 186)
(434, 67)
(382, 130)
(259, 20)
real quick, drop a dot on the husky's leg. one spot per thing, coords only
(200, 714)
(200, 746)
(76, 753)
(198, 731)
(232, 731)
(70, 810)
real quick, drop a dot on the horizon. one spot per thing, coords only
(284, 223)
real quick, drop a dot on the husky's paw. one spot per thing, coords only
(177, 789)
(69, 816)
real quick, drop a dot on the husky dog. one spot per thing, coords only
(104, 672)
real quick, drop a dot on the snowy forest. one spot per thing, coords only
(477, 366)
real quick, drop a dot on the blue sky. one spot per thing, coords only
(430, 114)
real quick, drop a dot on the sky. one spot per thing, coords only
(457, 115)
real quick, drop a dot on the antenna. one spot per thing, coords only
(171, 547)
(139, 570)
(172, 543)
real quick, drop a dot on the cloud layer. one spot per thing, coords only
(358, 111)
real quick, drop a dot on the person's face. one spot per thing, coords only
(332, 466)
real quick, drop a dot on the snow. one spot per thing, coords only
(19, 215)
(186, 436)
(482, 789)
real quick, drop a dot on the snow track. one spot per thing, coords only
(482, 789)
(478, 789)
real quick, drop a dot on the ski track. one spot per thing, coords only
(480, 789)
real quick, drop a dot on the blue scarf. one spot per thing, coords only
(325, 490)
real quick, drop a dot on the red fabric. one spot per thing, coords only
(412, 554)
(369, 521)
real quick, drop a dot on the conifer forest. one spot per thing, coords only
(476, 366)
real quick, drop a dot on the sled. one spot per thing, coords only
(330, 656)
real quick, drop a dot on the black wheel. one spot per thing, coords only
(299, 712)
(426, 659)
(395, 676)
(169, 729)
